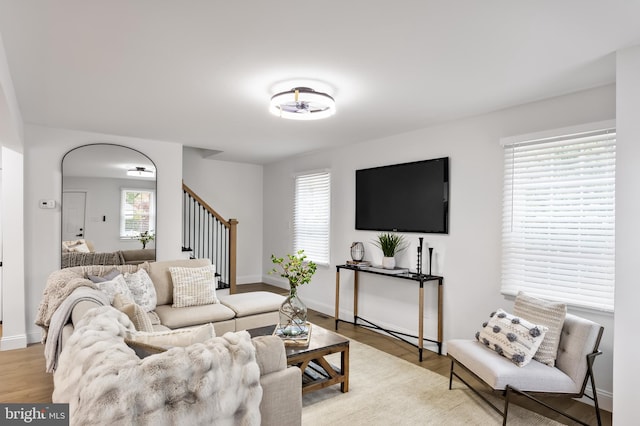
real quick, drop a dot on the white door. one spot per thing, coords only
(73, 211)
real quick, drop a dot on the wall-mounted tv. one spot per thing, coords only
(408, 197)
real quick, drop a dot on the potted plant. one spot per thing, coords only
(390, 244)
(145, 237)
(298, 271)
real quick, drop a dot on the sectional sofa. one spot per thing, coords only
(85, 317)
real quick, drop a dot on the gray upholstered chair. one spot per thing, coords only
(578, 348)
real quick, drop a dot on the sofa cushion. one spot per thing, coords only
(512, 337)
(116, 285)
(136, 314)
(498, 372)
(252, 303)
(142, 289)
(193, 286)
(168, 339)
(102, 278)
(193, 315)
(547, 313)
(161, 277)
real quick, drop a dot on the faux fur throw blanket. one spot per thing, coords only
(212, 383)
(61, 283)
(53, 345)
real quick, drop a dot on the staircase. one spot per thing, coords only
(206, 234)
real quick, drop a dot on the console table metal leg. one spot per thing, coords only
(337, 297)
(440, 316)
(421, 319)
(355, 297)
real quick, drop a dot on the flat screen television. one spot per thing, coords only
(408, 197)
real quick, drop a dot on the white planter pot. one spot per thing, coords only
(388, 262)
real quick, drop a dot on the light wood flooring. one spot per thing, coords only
(23, 377)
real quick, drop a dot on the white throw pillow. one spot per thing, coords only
(116, 285)
(512, 337)
(193, 286)
(183, 337)
(142, 289)
(547, 313)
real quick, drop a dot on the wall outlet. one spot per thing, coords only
(47, 204)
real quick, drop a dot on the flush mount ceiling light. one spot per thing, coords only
(140, 172)
(302, 103)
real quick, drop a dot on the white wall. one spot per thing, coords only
(13, 310)
(103, 201)
(44, 149)
(469, 256)
(12, 289)
(625, 372)
(234, 190)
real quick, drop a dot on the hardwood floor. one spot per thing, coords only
(23, 377)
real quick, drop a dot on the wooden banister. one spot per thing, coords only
(230, 225)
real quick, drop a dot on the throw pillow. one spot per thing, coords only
(135, 313)
(116, 285)
(182, 337)
(141, 286)
(512, 337)
(543, 312)
(106, 277)
(193, 286)
(143, 350)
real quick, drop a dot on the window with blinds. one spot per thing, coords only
(311, 214)
(137, 212)
(559, 218)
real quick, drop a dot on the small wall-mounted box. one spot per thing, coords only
(47, 204)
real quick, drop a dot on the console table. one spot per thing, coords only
(416, 278)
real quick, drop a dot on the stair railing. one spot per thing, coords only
(206, 234)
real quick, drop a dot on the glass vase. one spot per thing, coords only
(293, 314)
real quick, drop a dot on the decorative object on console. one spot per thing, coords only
(419, 265)
(357, 251)
(293, 313)
(390, 244)
(430, 259)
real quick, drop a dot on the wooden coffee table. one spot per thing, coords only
(317, 372)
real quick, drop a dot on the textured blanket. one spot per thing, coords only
(61, 316)
(212, 383)
(61, 283)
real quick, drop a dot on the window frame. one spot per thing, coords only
(323, 258)
(545, 287)
(151, 213)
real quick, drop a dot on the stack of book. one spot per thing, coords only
(359, 263)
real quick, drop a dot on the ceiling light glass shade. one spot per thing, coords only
(302, 103)
(140, 172)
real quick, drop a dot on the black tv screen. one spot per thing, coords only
(408, 197)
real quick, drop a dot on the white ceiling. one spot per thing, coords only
(201, 72)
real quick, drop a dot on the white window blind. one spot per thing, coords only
(311, 214)
(137, 213)
(559, 219)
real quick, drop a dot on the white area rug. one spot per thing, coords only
(386, 390)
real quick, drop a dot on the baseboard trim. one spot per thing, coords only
(18, 341)
(248, 279)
